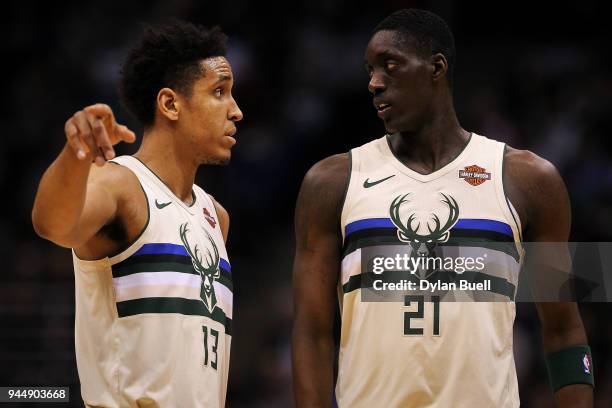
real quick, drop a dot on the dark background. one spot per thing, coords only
(534, 76)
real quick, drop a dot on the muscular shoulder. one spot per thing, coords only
(319, 203)
(330, 174)
(535, 187)
(115, 179)
(529, 167)
(320, 200)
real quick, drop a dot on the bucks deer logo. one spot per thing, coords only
(207, 267)
(423, 244)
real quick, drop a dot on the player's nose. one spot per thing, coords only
(235, 114)
(376, 84)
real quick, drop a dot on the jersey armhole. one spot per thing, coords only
(211, 199)
(345, 195)
(505, 203)
(130, 248)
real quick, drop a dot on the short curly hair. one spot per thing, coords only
(430, 31)
(166, 56)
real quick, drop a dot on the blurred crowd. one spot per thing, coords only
(535, 81)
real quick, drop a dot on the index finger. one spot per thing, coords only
(104, 112)
(100, 109)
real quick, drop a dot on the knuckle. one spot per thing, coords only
(97, 126)
(99, 107)
(69, 128)
(87, 137)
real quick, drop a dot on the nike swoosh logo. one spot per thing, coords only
(368, 184)
(161, 205)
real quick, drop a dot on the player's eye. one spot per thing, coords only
(218, 92)
(390, 65)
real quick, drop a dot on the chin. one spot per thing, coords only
(220, 160)
(400, 126)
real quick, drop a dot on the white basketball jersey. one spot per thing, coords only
(420, 352)
(153, 323)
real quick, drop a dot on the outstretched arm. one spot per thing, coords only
(74, 199)
(538, 188)
(315, 278)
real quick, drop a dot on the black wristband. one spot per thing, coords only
(572, 365)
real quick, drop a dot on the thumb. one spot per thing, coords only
(123, 133)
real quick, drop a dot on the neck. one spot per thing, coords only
(434, 144)
(162, 155)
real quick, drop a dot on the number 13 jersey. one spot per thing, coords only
(153, 323)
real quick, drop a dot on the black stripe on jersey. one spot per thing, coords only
(162, 305)
(458, 237)
(164, 263)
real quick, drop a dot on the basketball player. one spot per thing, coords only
(429, 185)
(152, 276)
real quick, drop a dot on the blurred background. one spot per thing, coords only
(532, 75)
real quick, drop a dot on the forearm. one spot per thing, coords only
(60, 198)
(561, 326)
(574, 396)
(313, 357)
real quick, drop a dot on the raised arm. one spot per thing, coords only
(538, 189)
(74, 199)
(315, 278)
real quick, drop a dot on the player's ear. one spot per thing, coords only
(168, 103)
(439, 66)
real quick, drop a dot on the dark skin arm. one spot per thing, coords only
(536, 189)
(315, 278)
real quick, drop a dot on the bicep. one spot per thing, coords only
(318, 245)
(547, 255)
(315, 276)
(549, 206)
(99, 209)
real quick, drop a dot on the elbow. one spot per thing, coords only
(40, 227)
(46, 231)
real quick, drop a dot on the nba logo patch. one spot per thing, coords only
(474, 175)
(587, 364)
(209, 218)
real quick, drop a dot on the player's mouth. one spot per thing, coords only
(382, 109)
(230, 135)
